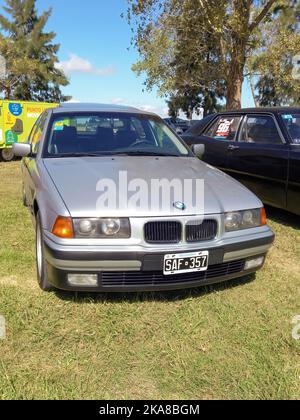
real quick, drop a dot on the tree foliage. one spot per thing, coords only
(31, 55)
(271, 66)
(203, 45)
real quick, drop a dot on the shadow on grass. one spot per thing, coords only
(283, 217)
(80, 297)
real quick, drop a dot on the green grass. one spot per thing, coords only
(228, 341)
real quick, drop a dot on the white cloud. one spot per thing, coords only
(159, 110)
(118, 101)
(73, 101)
(76, 64)
(162, 111)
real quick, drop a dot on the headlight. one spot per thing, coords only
(245, 219)
(102, 228)
(110, 227)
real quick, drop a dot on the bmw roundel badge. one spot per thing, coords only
(179, 205)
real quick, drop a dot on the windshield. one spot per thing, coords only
(292, 123)
(101, 134)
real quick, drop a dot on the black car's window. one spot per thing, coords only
(37, 132)
(260, 129)
(292, 123)
(111, 133)
(224, 128)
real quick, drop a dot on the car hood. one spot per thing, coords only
(79, 181)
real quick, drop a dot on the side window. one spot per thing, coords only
(260, 129)
(37, 132)
(224, 128)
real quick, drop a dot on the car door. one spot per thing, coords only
(219, 137)
(29, 163)
(260, 158)
(290, 122)
(293, 194)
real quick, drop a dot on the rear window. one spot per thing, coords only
(224, 128)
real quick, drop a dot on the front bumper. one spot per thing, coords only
(133, 269)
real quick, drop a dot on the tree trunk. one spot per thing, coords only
(235, 80)
(234, 93)
(236, 66)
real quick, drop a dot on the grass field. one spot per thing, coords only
(228, 341)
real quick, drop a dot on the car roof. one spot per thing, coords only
(93, 107)
(261, 110)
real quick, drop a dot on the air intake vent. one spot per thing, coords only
(163, 232)
(205, 231)
(156, 278)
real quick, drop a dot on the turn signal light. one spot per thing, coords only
(263, 216)
(63, 228)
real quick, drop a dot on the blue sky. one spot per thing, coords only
(94, 48)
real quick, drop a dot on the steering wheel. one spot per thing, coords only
(139, 142)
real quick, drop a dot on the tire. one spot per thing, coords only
(40, 258)
(7, 154)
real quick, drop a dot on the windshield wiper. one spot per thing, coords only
(142, 153)
(125, 153)
(70, 155)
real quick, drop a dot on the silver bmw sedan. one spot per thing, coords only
(120, 203)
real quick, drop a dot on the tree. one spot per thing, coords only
(203, 44)
(31, 55)
(192, 101)
(272, 70)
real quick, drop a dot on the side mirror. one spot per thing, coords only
(198, 150)
(22, 149)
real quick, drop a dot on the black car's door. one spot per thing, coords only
(293, 199)
(260, 159)
(218, 138)
(290, 121)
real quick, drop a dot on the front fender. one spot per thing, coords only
(47, 199)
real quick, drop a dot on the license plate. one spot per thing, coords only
(186, 263)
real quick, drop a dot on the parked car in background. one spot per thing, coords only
(16, 121)
(142, 244)
(178, 125)
(197, 127)
(260, 147)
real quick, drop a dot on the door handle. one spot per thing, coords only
(233, 148)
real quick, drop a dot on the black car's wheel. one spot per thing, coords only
(40, 258)
(7, 154)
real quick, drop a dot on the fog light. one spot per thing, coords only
(255, 263)
(83, 279)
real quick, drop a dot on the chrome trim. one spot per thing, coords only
(95, 265)
(245, 253)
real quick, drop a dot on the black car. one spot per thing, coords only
(260, 147)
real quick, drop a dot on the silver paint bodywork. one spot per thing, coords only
(67, 187)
